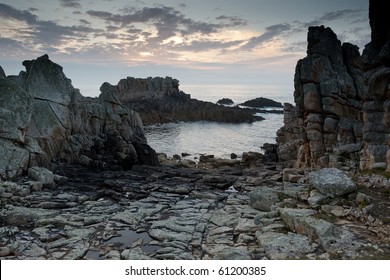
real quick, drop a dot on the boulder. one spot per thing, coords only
(332, 182)
(13, 159)
(251, 158)
(263, 199)
(42, 175)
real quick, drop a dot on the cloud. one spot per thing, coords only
(205, 45)
(168, 21)
(9, 12)
(355, 16)
(43, 35)
(84, 22)
(233, 21)
(295, 47)
(11, 44)
(342, 14)
(270, 33)
(70, 4)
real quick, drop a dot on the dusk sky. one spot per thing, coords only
(214, 42)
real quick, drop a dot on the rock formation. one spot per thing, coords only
(262, 102)
(342, 102)
(225, 101)
(159, 100)
(43, 118)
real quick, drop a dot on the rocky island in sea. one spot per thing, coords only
(159, 100)
(79, 181)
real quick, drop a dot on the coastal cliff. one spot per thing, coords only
(43, 119)
(340, 117)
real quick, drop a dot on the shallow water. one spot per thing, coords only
(219, 139)
(124, 238)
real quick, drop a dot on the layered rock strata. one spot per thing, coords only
(341, 99)
(159, 100)
(43, 118)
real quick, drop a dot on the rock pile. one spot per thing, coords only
(43, 118)
(341, 115)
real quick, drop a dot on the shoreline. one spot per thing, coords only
(219, 210)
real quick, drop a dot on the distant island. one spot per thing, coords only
(262, 102)
(225, 101)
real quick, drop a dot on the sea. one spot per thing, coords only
(220, 139)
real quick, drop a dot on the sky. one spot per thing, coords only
(202, 42)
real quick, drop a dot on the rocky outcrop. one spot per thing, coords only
(43, 118)
(328, 95)
(159, 100)
(225, 101)
(340, 118)
(262, 102)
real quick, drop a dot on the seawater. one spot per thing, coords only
(212, 138)
(220, 139)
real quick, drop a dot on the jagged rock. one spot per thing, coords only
(2, 73)
(341, 112)
(331, 182)
(325, 95)
(159, 100)
(44, 118)
(377, 52)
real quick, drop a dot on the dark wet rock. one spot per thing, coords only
(262, 102)
(270, 152)
(225, 101)
(251, 158)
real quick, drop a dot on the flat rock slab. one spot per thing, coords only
(285, 246)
